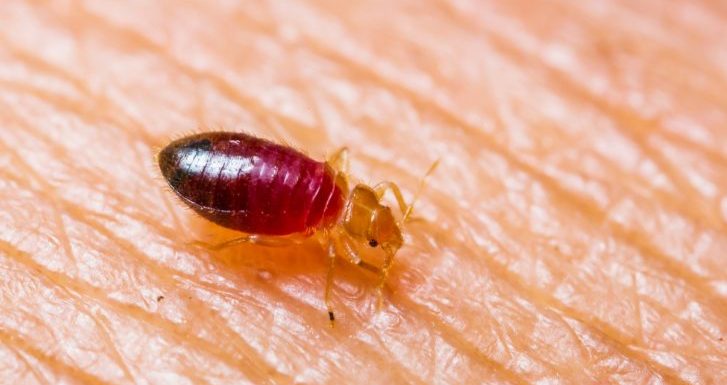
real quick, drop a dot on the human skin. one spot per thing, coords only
(573, 233)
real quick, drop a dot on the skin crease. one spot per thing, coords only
(574, 232)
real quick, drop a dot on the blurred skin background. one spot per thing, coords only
(574, 233)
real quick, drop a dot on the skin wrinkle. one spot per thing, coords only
(313, 322)
(58, 152)
(8, 249)
(70, 105)
(710, 71)
(101, 325)
(220, 83)
(682, 323)
(462, 342)
(41, 97)
(476, 357)
(517, 345)
(100, 98)
(639, 271)
(312, 314)
(682, 57)
(161, 272)
(411, 376)
(21, 355)
(504, 36)
(17, 342)
(641, 140)
(625, 338)
(557, 317)
(41, 66)
(29, 171)
(484, 367)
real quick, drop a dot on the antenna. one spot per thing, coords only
(420, 187)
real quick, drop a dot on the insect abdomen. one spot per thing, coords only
(250, 184)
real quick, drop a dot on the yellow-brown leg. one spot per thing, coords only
(344, 245)
(381, 189)
(253, 239)
(339, 160)
(339, 244)
(383, 275)
(339, 163)
(406, 209)
(329, 283)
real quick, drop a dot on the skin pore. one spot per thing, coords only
(573, 232)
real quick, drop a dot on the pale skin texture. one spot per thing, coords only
(574, 233)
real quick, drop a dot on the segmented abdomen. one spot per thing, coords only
(250, 184)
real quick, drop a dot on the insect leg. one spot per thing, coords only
(406, 210)
(339, 160)
(252, 238)
(381, 189)
(384, 274)
(329, 282)
(346, 246)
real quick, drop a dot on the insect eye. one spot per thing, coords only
(373, 243)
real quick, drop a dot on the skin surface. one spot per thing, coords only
(574, 232)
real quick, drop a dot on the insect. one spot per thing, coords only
(278, 196)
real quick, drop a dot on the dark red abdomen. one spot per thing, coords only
(250, 184)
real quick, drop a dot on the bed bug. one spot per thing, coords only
(278, 196)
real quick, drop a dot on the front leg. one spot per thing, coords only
(381, 189)
(405, 208)
(329, 282)
(383, 275)
(341, 244)
(346, 246)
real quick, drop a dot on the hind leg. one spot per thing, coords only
(252, 239)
